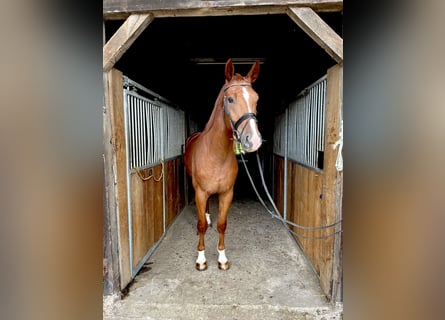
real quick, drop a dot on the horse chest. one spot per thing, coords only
(215, 176)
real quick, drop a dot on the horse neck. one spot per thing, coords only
(216, 130)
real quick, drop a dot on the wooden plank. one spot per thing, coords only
(117, 142)
(151, 210)
(158, 205)
(124, 38)
(333, 181)
(319, 31)
(139, 213)
(110, 225)
(304, 208)
(118, 9)
(171, 192)
(279, 182)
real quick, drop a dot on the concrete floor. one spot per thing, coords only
(268, 278)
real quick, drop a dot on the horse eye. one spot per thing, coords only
(230, 100)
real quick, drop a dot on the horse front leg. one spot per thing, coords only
(225, 200)
(201, 199)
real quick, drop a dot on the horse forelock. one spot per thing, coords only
(237, 77)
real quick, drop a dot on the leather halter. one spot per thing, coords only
(248, 115)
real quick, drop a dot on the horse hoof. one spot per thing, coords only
(201, 266)
(223, 266)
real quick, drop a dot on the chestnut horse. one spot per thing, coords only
(210, 158)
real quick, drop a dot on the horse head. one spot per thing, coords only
(240, 102)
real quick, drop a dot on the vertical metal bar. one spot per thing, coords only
(162, 137)
(290, 129)
(323, 113)
(285, 164)
(152, 142)
(169, 132)
(319, 131)
(313, 128)
(139, 135)
(130, 127)
(127, 107)
(147, 135)
(158, 134)
(303, 130)
(150, 136)
(309, 128)
(144, 133)
(133, 132)
(136, 131)
(153, 134)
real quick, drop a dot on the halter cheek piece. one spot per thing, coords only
(249, 115)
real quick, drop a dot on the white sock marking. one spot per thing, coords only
(201, 257)
(222, 256)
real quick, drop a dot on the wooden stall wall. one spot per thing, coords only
(304, 205)
(304, 192)
(314, 197)
(175, 193)
(148, 205)
(147, 197)
(278, 188)
(147, 212)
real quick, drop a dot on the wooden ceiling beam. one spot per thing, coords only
(318, 30)
(118, 9)
(124, 37)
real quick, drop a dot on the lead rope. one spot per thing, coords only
(277, 214)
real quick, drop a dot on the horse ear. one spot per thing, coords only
(254, 71)
(230, 70)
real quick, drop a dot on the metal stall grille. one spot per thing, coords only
(155, 132)
(299, 133)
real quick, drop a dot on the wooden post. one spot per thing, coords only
(110, 237)
(110, 241)
(331, 268)
(116, 172)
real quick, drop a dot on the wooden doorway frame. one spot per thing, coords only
(138, 14)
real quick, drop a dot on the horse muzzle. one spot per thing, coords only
(251, 142)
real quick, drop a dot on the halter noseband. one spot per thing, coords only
(245, 116)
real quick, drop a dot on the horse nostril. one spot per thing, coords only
(248, 143)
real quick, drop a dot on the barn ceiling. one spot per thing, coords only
(164, 58)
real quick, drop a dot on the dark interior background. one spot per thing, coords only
(163, 60)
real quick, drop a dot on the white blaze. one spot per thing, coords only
(255, 139)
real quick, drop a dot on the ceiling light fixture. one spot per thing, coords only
(213, 61)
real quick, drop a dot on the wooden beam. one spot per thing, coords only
(331, 267)
(118, 9)
(124, 37)
(319, 31)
